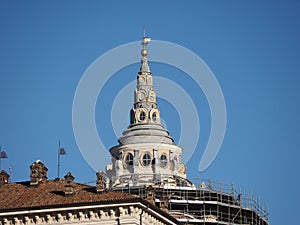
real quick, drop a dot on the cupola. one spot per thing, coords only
(146, 153)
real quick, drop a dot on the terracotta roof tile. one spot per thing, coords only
(21, 194)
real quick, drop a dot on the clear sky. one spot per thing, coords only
(251, 46)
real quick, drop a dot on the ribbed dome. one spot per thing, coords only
(145, 133)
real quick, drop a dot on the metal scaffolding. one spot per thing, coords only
(207, 203)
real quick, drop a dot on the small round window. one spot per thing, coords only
(154, 117)
(146, 159)
(142, 116)
(163, 160)
(129, 159)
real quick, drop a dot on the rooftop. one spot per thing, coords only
(51, 193)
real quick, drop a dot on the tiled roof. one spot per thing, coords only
(51, 193)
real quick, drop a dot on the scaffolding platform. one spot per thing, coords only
(206, 203)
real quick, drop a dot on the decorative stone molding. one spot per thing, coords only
(102, 215)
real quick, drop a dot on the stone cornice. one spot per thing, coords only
(131, 212)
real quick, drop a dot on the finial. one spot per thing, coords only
(145, 41)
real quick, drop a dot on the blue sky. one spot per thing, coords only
(251, 46)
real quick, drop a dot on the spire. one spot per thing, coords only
(144, 109)
(144, 66)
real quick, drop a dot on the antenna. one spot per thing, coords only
(144, 31)
(10, 173)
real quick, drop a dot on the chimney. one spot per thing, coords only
(69, 189)
(38, 173)
(101, 183)
(3, 177)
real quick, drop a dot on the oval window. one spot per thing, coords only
(129, 159)
(146, 159)
(154, 117)
(142, 116)
(163, 160)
